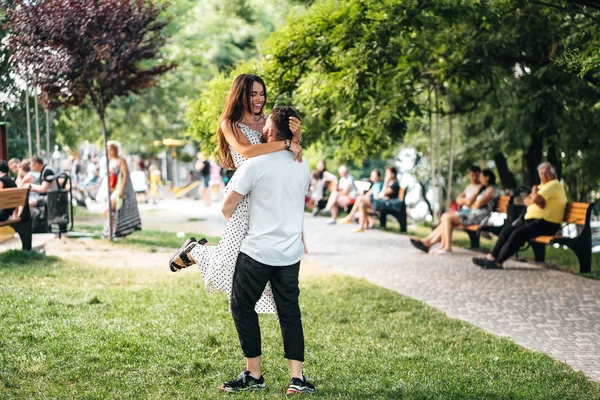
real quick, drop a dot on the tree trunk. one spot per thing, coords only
(451, 164)
(104, 135)
(554, 159)
(531, 159)
(438, 139)
(507, 178)
(424, 195)
(432, 185)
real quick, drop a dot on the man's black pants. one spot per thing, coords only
(514, 236)
(249, 281)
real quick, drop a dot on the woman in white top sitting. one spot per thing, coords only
(472, 215)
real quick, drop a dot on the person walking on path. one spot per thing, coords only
(239, 138)
(271, 251)
(545, 210)
(123, 202)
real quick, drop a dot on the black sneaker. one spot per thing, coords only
(479, 261)
(244, 382)
(490, 264)
(298, 385)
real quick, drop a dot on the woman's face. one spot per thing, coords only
(320, 166)
(484, 179)
(257, 97)
(374, 176)
(112, 152)
(388, 174)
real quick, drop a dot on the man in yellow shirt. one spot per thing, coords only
(545, 211)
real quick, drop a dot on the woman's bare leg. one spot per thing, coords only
(331, 201)
(434, 237)
(449, 221)
(355, 208)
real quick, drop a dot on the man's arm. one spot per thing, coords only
(42, 189)
(230, 202)
(534, 197)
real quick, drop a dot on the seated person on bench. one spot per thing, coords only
(367, 198)
(473, 215)
(6, 182)
(41, 187)
(344, 196)
(390, 191)
(321, 179)
(545, 211)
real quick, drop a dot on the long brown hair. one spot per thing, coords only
(238, 100)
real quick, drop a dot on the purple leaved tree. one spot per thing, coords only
(84, 52)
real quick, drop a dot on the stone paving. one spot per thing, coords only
(553, 312)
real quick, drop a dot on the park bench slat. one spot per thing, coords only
(15, 198)
(580, 215)
(12, 198)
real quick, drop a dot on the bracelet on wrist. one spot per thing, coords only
(287, 143)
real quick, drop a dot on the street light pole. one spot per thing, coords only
(37, 124)
(47, 134)
(28, 120)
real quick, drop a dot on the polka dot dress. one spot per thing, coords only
(217, 263)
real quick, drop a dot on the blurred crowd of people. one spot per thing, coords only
(362, 200)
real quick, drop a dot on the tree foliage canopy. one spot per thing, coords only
(79, 51)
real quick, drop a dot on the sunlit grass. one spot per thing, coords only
(72, 331)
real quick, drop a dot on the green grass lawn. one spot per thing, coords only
(146, 240)
(563, 259)
(75, 332)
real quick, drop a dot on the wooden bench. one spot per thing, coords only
(578, 214)
(399, 214)
(16, 198)
(474, 231)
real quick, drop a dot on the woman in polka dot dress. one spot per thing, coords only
(239, 137)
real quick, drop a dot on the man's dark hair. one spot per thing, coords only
(37, 159)
(475, 168)
(281, 121)
(3, 166)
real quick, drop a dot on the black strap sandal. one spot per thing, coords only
(419, 245)
(181, 256)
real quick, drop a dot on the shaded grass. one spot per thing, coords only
(70, 331)
(559, 258)
(148, 240)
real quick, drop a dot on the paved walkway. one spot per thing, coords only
(550, 311)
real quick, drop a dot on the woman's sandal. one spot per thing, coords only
(180, 259)
(419, 245)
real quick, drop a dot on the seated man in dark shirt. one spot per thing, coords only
(43, 183)
(41, 187)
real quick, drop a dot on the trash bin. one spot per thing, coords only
(58, 209)
(58, 203)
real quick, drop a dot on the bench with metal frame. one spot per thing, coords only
(399, 214)
(578, 214)
(19, 199)
(474, 231)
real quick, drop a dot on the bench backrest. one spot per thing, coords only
(12, 198)
(502, 204)
(576, 213)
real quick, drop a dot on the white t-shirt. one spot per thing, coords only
(276, 186)
(348, 181)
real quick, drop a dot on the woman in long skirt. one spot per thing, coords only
(123, 202)
(239, 137)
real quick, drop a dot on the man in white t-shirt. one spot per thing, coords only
(271, 251)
